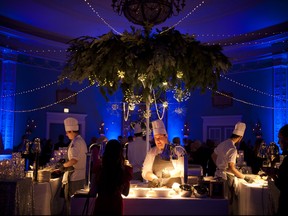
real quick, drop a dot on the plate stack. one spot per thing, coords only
(44, 176)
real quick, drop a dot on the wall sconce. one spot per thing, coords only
(66, 110)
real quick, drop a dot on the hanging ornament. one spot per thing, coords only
(178, 110)
(186, 130)
(102, 128)
(257, 129)
(121, 74)
(30, 126)
(115, 107)
(181, 95)
(130, 97)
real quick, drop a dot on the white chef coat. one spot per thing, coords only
(77, 150)
(149, 160)
(226, 153)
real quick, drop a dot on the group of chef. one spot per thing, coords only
(158, 169)
(161, 170)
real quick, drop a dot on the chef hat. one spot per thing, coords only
(137, 128)
(158, 127)
(239, 129)
(71, 124)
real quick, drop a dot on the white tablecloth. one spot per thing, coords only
(255, 199)
(47, 200)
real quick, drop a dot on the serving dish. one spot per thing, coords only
(161, 192)
(140, 192)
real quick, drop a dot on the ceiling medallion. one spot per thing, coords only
(148, 12)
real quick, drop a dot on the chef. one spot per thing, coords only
(73, 180)
(159, 167)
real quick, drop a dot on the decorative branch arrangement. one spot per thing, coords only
(140, 61)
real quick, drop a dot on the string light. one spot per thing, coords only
(103, 20)
(165, 105)
(124, 111)
(253, 89)
(245, 43)
(185, 17)
(49, 105)
(245, 102)
(35, 89)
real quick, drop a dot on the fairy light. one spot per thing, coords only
(253, 89)
(156, 107)
(246, 102)
(147, 114)
(185, 17)
(181, 95)
(126, 116)
(179, 74)
(49, 105)
(103, 20)
(130, 97)
(35, 89)
(121, 74)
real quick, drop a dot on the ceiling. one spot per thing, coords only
(210, 20)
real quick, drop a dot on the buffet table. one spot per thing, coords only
(171, 205)
(47, 200)
(16, 196)
(256, 198)
(25, 197)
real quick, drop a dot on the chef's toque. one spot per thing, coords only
(239, 129)
(71, 124)
(158, 127)
(137, 128)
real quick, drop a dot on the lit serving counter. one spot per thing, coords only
(157, 201)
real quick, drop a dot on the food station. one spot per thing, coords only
(39, 193)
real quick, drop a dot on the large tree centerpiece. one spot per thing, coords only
(141, 62)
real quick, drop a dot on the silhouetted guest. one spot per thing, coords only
(280, 176)
(176, 141)
(112, 179)
(211, 166)
(21, 147)
(248, 152)
(199, 154)
(61, 143)
(257, 159)
(186, 144)
(46, 152)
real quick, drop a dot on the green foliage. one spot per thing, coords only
(158, 57)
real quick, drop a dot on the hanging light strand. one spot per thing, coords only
(253, 89)
(126, 116)
(185, 17)
(245, 102)
(103, 20)
(35, 89)
(49, 105)
(156, 107)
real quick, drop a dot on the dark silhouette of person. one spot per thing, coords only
(61, 143)
(112, 179)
